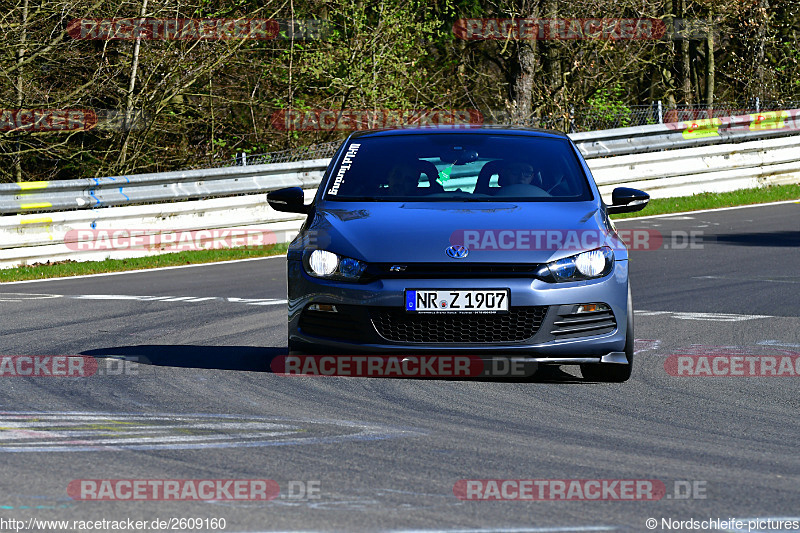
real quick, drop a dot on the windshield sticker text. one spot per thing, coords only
(344, 167)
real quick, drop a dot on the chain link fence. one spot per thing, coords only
(577, 119)
(622, 116)
(315, 151)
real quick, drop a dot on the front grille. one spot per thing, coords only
(519, 324)
(451, 270)
(344, 325)
(570, 325)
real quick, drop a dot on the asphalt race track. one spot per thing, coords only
(385, 454)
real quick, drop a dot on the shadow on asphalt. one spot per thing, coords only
(246, 358)
(778, 239)
(259, 358)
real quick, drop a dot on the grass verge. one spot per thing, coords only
(62, 269)
(658, 206)
(711, 200)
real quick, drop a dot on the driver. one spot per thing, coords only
(515, 174)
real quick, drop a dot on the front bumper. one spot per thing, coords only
(358, 302)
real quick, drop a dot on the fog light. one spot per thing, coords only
(325, 308)
(591, 308)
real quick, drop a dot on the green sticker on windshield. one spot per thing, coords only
(444, 175)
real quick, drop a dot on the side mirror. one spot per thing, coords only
(289, 200)
(625, 200)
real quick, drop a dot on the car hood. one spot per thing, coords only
(421, 231)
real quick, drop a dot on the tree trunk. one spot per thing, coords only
(761, 44)
(686, 60)
(710, 63)
(128, 126)
(23, 36)
(522, 84)
(523, 69)
(553, 61)
(666, 73)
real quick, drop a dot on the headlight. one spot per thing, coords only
(323, 263)
(328, 265)
(587, 265)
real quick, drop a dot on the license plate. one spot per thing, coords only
(457, 301)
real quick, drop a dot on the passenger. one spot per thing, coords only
(403, 180)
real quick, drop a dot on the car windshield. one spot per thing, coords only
(465, 167)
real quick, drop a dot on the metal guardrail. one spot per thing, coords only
(656, 137)
(719, 168)
(48, 196)
(29, 238)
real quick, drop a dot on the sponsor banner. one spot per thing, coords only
(173, 489)
(167, 240)
(172, 29)
(786, 120)
(562, 29)
(560, 489)
(55, 120)
(367, 119)
(772, 120)
(401, 366)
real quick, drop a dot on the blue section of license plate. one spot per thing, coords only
(411, 297)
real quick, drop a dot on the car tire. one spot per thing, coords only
(614, 372)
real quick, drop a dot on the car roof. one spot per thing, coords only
(461, 129)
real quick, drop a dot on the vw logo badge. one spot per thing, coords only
(456, 252)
